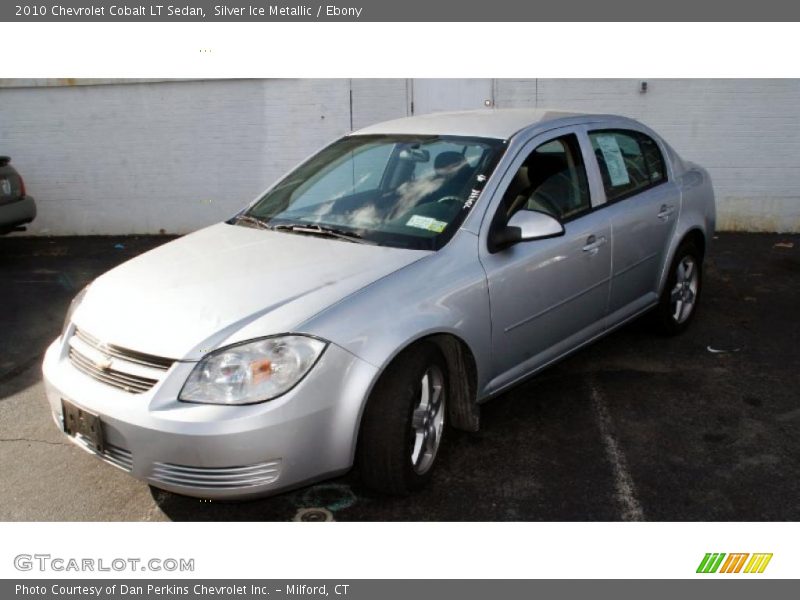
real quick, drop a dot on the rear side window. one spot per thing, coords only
(630, 162)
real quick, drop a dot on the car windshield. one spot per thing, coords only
(393, 190)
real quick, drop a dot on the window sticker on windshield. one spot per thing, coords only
(475, 192)
(615, 163)
(428, 223)
(473, 196)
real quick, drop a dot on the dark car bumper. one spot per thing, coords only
(17, 213)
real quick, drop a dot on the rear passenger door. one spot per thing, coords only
(642, 204)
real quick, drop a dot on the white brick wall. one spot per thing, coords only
(745, 132)
(376, 100)
(177, 155)
(140, 158)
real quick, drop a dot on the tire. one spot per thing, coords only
(403, 423)
(681, 294)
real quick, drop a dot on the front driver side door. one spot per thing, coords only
(547, 296)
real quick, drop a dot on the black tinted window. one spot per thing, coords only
(629, 162)
(551, 180)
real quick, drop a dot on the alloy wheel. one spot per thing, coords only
(684, 293)
(427, 423)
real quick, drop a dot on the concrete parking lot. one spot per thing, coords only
(700, 427)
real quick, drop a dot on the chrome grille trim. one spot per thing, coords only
(139, 358)
(130, 383)
(217, 477)
(128, 370)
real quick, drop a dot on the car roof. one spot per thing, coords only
(499, 123)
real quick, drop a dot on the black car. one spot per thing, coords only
(16, 207)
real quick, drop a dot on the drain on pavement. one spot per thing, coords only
(314, 514)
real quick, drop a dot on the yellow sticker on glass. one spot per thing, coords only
(428, 223)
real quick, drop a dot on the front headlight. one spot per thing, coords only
(73, 306)
(253, 371)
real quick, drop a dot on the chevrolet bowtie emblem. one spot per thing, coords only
(104, 364)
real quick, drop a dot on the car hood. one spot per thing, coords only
(193, 294)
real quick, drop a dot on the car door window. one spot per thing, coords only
(629, 161)
(552, 179)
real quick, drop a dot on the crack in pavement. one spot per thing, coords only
(22, 439)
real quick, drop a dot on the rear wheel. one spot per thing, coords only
(680, 296)
(403, 424)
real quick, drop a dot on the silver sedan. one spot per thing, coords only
(376, 296)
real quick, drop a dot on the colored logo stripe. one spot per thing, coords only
(733, 564)
(758, 563)
(710, 562)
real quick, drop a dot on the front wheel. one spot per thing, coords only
(404, 421)
(680, 296)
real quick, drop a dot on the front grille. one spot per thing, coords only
(129, 383)
(217, 477)
(134, 372)
(131, 356)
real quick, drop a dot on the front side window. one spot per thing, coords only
(629, 161)
(552, 179)
(395, 190)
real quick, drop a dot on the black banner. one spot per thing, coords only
(403, 11)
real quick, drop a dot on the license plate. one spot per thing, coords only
(81, 423)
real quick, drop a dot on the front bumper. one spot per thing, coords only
(222, 452)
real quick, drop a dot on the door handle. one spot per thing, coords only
(665, 211)
(593, 244)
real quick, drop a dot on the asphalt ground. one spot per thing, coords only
(701, 427)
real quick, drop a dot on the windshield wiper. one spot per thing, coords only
(316, 229)
(251, 220)
(307, 228)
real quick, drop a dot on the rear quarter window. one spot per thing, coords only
(629, 161)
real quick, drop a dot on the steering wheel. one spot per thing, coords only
(449, 199)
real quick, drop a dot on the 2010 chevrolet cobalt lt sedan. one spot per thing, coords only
(376, 296)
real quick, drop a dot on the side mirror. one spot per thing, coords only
(535, 225)
(526, 225)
